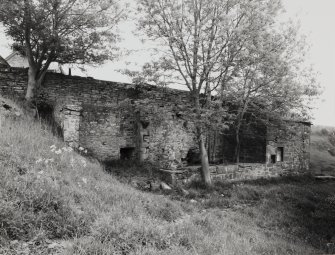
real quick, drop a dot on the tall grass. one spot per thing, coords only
(322, 150)
(48, 191)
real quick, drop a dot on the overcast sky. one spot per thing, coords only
(317, 21)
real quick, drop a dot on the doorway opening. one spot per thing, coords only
(127, 153)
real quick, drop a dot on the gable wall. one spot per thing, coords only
(16, 60)
(295, 141)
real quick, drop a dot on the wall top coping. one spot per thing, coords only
(147, 87)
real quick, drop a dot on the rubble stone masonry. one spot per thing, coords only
(106, 119)
(91, 115)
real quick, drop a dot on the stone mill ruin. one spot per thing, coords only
(92, 114)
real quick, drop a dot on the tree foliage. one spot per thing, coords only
(232, 51)
(63, 31)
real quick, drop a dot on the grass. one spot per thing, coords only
(48, 192)
(322, 160)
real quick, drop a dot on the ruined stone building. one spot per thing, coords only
(15, 59)
(113, 121)
(3, 63)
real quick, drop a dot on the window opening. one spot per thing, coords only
(280, 154)
(127, 153)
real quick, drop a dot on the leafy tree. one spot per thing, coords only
(63, 31)
(271, 79)
(223, 49)
(198, 38)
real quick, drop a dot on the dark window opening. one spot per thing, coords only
(273, 159)
(145, 138)
(184, 162)
(193, 157)
(6, 106)
(46, 113)
(127, 153)
(145, 124)
(280, 154)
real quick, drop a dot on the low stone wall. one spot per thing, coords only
(237, 172)
(253, 171)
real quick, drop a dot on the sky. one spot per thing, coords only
(316, 18)
(317, 21)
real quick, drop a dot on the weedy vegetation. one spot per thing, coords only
(323, 150)
(50, 192)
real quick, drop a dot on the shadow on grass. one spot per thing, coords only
(298, 205)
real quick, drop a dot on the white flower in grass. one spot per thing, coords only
(39, 160)
(84, 180)
(50, 160)
(39, 174)
(53, 147)
(67, 149)
(72, 162)
(58, 151)
(83, 161)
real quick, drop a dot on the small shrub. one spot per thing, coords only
(324, 132)
(332, 139)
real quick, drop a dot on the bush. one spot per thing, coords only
(324, 132)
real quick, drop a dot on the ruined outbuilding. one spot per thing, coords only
(113, 121)
(3, 63)
(17, 60)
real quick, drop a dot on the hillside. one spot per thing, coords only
(323, 150)
(54, 201)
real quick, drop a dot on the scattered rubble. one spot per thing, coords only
(164, 186)
(8, 108)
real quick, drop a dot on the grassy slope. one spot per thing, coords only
(321, 160)
(70, 198)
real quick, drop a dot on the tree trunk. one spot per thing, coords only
(205, 174)
(32, 85)
(238, 144)
(238, 128)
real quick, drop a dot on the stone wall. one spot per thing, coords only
(91, 114)
(123, 121)
(289, 144)
(236, 172)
